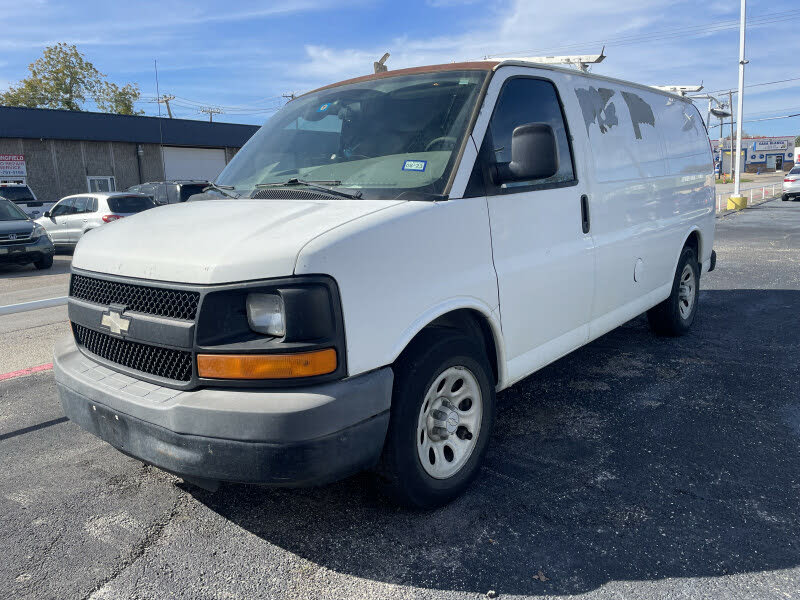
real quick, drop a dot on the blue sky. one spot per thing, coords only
(243, 55)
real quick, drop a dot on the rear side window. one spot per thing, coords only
(795, 171)
(129, 204)
(524, 100)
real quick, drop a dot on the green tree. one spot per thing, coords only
(62, 78)
(119, 100)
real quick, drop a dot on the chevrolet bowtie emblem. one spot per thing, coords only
(115, 322)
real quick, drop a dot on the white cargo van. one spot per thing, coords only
(380, 259)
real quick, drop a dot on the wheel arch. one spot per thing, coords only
(470, 317)
(694, 239)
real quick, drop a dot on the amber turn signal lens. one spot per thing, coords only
(266, 366)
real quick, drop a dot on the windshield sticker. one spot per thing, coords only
(415, 165)
(324, 107)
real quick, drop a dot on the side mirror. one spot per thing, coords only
(46, 214)
(534, 154)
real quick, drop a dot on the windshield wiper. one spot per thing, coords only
(321, 185)
(222, 189)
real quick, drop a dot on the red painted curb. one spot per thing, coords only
(28, 371)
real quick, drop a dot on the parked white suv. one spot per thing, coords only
(380, 259)
(73, 216)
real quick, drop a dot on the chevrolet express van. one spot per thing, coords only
(379, 260)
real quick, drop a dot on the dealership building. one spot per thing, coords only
(59, 152)
(759, 154)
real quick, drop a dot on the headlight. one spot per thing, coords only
(38, 231)
(265, 314)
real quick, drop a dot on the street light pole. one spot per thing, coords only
(737, 198)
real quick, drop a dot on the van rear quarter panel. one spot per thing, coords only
(400, 268)
(650, 171)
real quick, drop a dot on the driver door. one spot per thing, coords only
(55, 224)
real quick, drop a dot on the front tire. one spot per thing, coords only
(675, 315)
(443, 405)
(44, 263)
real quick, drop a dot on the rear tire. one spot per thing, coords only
(44, 263)
(675, 315)
(785, 197)
(443, 404)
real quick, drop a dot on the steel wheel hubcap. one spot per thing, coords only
(449, 422)
(686, 291)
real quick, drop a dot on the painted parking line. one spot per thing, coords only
(24, 372)
(10, 309)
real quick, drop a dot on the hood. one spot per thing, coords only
(24, 227)
(216, 241)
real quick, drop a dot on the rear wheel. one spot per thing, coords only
(785, 197)
(441, 419)
(44, 263)
(675, 315)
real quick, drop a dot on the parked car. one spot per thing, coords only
(170, 192)
(387, 253)
(73, 216)
(791, 184)
(21, 240)
(23, 196)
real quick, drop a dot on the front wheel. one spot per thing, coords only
(44, 263)
(675, 315)
(442, 414)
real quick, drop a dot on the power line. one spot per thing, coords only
(757, 85)
(664, 34)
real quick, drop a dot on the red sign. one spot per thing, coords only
(12, 165)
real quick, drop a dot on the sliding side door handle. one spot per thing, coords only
(585, 219)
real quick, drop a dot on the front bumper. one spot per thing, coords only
(295, 437)
(28, 252)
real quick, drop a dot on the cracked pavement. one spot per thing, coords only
(635, 467)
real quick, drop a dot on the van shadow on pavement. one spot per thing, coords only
(634, 458)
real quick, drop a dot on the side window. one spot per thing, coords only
(524, 100)
(67, 207)
(172, 193)
(161, 193)
(60, 209)
(81, 205)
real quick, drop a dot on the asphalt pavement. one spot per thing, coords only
(635, 467)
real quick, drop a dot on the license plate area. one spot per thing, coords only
(111, 426)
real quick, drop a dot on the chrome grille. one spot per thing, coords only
(161, 302)
(18, 238)
(153, 360)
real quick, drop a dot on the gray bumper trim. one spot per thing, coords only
(274, 416)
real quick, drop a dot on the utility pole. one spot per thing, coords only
(737, 200)
(730, 109)
(211, 111)
(166, 99)
(289, 97)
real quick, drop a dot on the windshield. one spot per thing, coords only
(17, 193)
(130, 204)
(390, 137)
(9, 212)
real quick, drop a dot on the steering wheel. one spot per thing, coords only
(440, 140)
